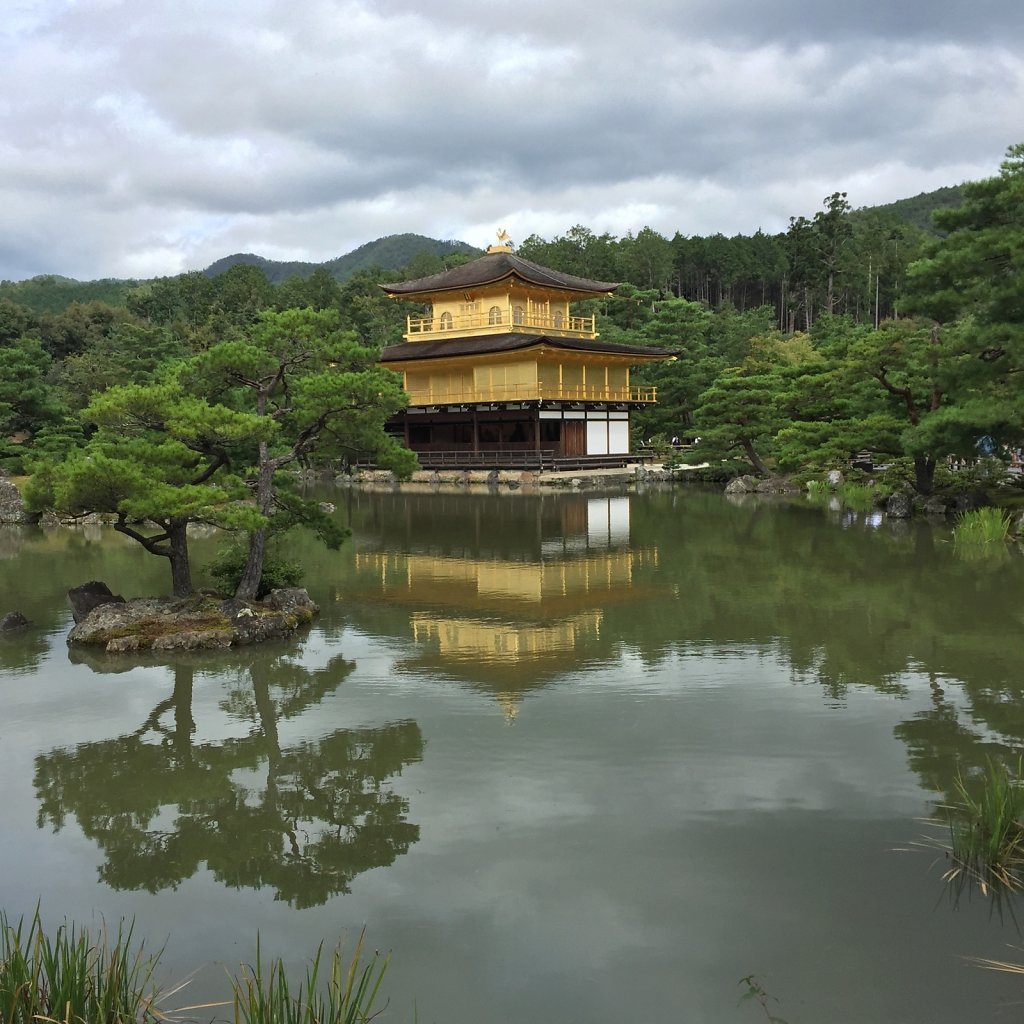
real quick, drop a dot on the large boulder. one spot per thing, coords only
(197, 622)
(89, 595)
(292, 601)
(742, 485)
(835, 479)
(936, 507)
(900, 505)
(12, 506)
(14, 621)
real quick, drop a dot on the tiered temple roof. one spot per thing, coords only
(497, 265)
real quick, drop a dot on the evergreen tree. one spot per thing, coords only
(975, 277)
(309, 381)
(206, 445)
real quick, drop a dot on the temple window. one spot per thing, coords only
(518, 314)
(446, 321)
(494, 315)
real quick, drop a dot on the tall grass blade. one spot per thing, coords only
(262, 995)
(981, 526)
(987, 829)
(74, 978)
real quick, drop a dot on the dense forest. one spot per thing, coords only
(854, 330)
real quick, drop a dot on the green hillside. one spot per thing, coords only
(392, 252)
(276, 271)
(918, 209)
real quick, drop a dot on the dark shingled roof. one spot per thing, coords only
(487, 343)
(493, 267)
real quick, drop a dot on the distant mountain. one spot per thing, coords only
(276, 270)
(918, 209)
(393, 252)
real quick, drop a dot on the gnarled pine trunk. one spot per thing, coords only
(249, 584)
(181, 569)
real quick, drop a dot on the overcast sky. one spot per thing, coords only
(148, 137)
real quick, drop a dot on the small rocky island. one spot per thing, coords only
(201, 621)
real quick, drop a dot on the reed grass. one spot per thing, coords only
(74, 978)
(860, 497)
(78, 978)
(347, 995)
(981, 526)
(987, 830)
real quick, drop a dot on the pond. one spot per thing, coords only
(577, 757)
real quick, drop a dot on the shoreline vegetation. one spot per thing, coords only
(987, 488)
(79, 976)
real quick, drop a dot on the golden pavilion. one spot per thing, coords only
(501, 371)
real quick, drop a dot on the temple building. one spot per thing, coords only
(502, 372)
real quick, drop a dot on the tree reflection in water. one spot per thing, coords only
(303, 819)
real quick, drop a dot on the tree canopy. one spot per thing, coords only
(200, 445)
(974, 277)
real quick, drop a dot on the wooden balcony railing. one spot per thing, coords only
(422, 328)
(532, 393)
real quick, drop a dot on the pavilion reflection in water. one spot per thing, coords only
(508, 619)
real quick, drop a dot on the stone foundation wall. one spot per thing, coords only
(527, 480)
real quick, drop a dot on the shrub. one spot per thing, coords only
(227, 568)
(895, 476)
(718, 472)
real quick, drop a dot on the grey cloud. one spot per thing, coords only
(800, 21)
(161, 131)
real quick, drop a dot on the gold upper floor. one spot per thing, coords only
(466, 316)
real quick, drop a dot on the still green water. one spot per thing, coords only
(584, 758)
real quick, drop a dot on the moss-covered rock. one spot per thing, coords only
(194, 623)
